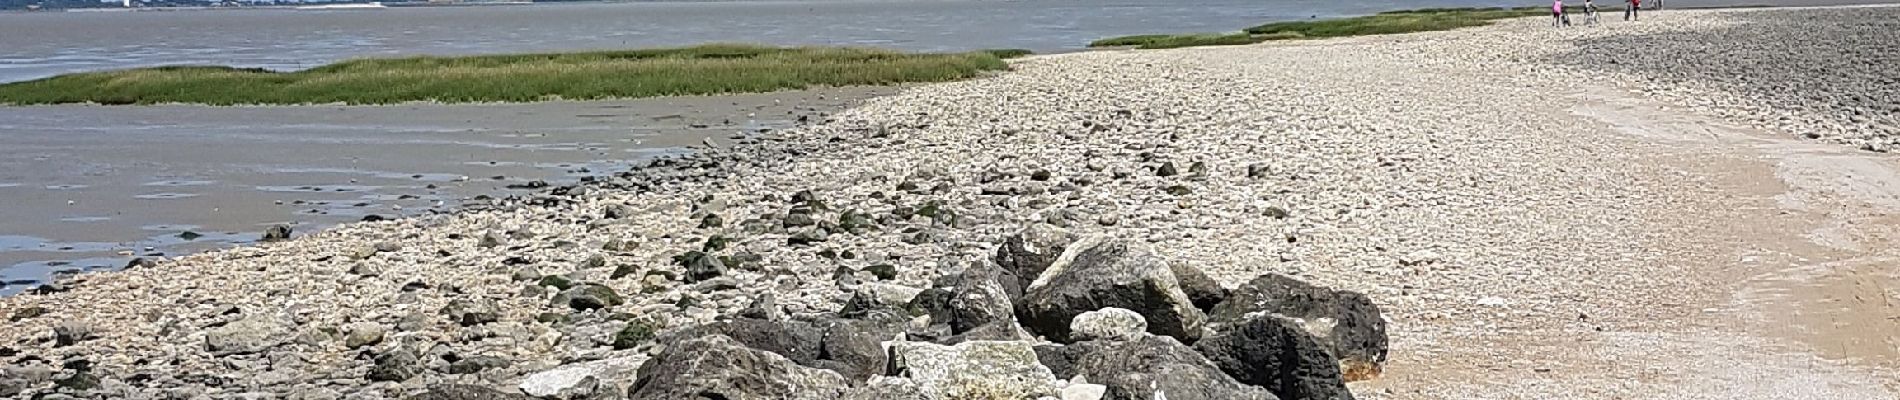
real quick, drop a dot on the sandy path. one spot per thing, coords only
(1791, 248)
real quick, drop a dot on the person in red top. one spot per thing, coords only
(1629, 12)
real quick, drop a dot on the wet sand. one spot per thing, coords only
(89, 187)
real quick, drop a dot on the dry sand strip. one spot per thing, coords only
(1537, 221)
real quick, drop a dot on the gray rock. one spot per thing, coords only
(70, 332)
(717, 367)
(887, 388)
(1108, 324)
(854, 347)
(1095, 273)
(1023, 256)
(1273, 352)
(472, 312)
(975, 369)
(701, 266)
(1346, 322)
(248, 335)
(362, 334)
(322, 393)
(553, 382)
(465, 392)
(1156, 367)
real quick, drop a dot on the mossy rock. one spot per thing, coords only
(636, 333)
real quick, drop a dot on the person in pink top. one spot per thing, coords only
(1557, 13)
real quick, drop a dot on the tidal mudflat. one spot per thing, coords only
(89, 187)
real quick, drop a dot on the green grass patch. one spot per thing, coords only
(1404, 21)
(698, 70)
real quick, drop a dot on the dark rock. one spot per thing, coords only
(883, 272)
(965, 300)
(711, 221)
(806, 237)
(1273, 352)
(701, 266)
(590, 296)
(797, 340)
(277, 232)
(1276, 212)
(795, 220)
(1201, 289)
(1041, 175)
(140, 262)
(25, 313)
(617, 211)
(1095, 274)
(1005, 330)
(81, 380)
(718, 367)
(1179, 190)
(854, 222)
(623, 271)
(1153, 367)
(466, 392)
(1022, 257)
(396, 366)
(1346, 322)
(471, 312)
(1167, 169)
(477, 364)
(558, 282)
(1257, 171)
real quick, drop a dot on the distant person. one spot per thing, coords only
(1557, 12)
(1590, 11)
(1629, 12)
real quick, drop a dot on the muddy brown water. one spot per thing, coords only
(86, 188)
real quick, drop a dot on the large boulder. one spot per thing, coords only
(973, 370)
(1346, 322)
(1098, 273)
(465, 392)
(966, 300)
(568, 378)
(1201, 289)
(717, 367)
(1273, 352)
(854, 347)
(1023, 256)
(1155, 367)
